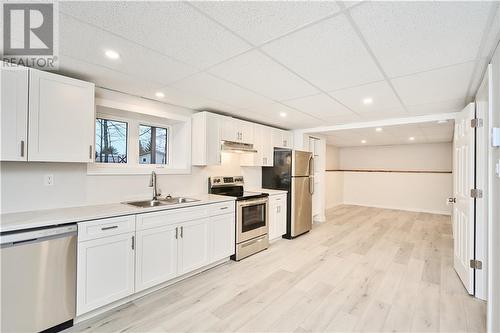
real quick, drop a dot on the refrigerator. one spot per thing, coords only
(293, 172)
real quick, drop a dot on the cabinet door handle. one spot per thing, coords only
(182, 232)
(90, 152)
(22, 148)
(133, 242)
(222, 208)
(176, 232)
(109, 228)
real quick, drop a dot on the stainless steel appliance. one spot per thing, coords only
(293, 172)
(38, 272)
(252, 215)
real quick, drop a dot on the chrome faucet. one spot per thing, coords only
(152, 184)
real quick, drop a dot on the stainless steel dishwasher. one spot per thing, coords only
(38, 279)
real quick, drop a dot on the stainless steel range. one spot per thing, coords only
(252, 215)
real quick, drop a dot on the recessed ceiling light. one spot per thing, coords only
(112, 54)
(283, 114)
(411, 138)
(442, 121)
(363, 141)
(378, 129)
(159, 94)
(367, 100)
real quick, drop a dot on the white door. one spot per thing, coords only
(463, 209)
(14, 113)
(267, 147)
(193, 245)
(156, 256)
(61, 118)
(105, 271)
(222, 236)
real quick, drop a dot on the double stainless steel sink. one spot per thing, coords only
(161, 202)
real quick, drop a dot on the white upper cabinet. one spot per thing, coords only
(264, 146)
(206, 137)
(61, 118)
(14, 113)
(236, 130)
(282, 139)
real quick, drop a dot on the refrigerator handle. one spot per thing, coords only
(311, 175)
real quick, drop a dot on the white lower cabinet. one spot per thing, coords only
(222, 236)
(156, 256)
(277, 216)
(105, 271)
(193, 245)
(118, 257)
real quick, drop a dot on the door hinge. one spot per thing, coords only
(476, 122)
(476, 193)
(476, 264)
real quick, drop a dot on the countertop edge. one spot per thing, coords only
(68, 215)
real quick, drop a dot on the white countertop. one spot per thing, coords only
(266, 190)
(49, 217)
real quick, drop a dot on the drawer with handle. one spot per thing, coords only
(222, 208)
(105, 227)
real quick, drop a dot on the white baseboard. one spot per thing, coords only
(418, 210)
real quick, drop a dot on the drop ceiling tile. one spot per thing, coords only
(173, 28)
(110, 79)
(329, 54)
(409, 37)
(384, 114)
(453, 105)
(261, 74)
(435, 86)
(321, 106)
(380, 92)
(135, 60)
(270, 114)
(105, 77)
(208, 86)
(259, 21)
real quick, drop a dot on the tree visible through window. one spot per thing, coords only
(110, 141)
(153, 145)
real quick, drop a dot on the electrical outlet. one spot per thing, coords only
(48, 180)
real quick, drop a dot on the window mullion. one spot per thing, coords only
(153, 145)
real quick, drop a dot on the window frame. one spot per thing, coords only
(133, 167)
(127, 143)
(169, 141)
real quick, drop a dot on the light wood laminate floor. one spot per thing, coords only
(366, 269)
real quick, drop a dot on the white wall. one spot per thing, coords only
(22, 184)
(426, 192)
(433, 157)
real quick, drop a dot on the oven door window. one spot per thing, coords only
(253, 217)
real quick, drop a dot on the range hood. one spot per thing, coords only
(237, 147)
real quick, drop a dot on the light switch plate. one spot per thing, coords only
(495, 137)
(497, 169)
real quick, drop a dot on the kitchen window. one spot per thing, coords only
(110, 141)
(135, 140)
(153, 145)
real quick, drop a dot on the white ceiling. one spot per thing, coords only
(427, 132)
(313, 61)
